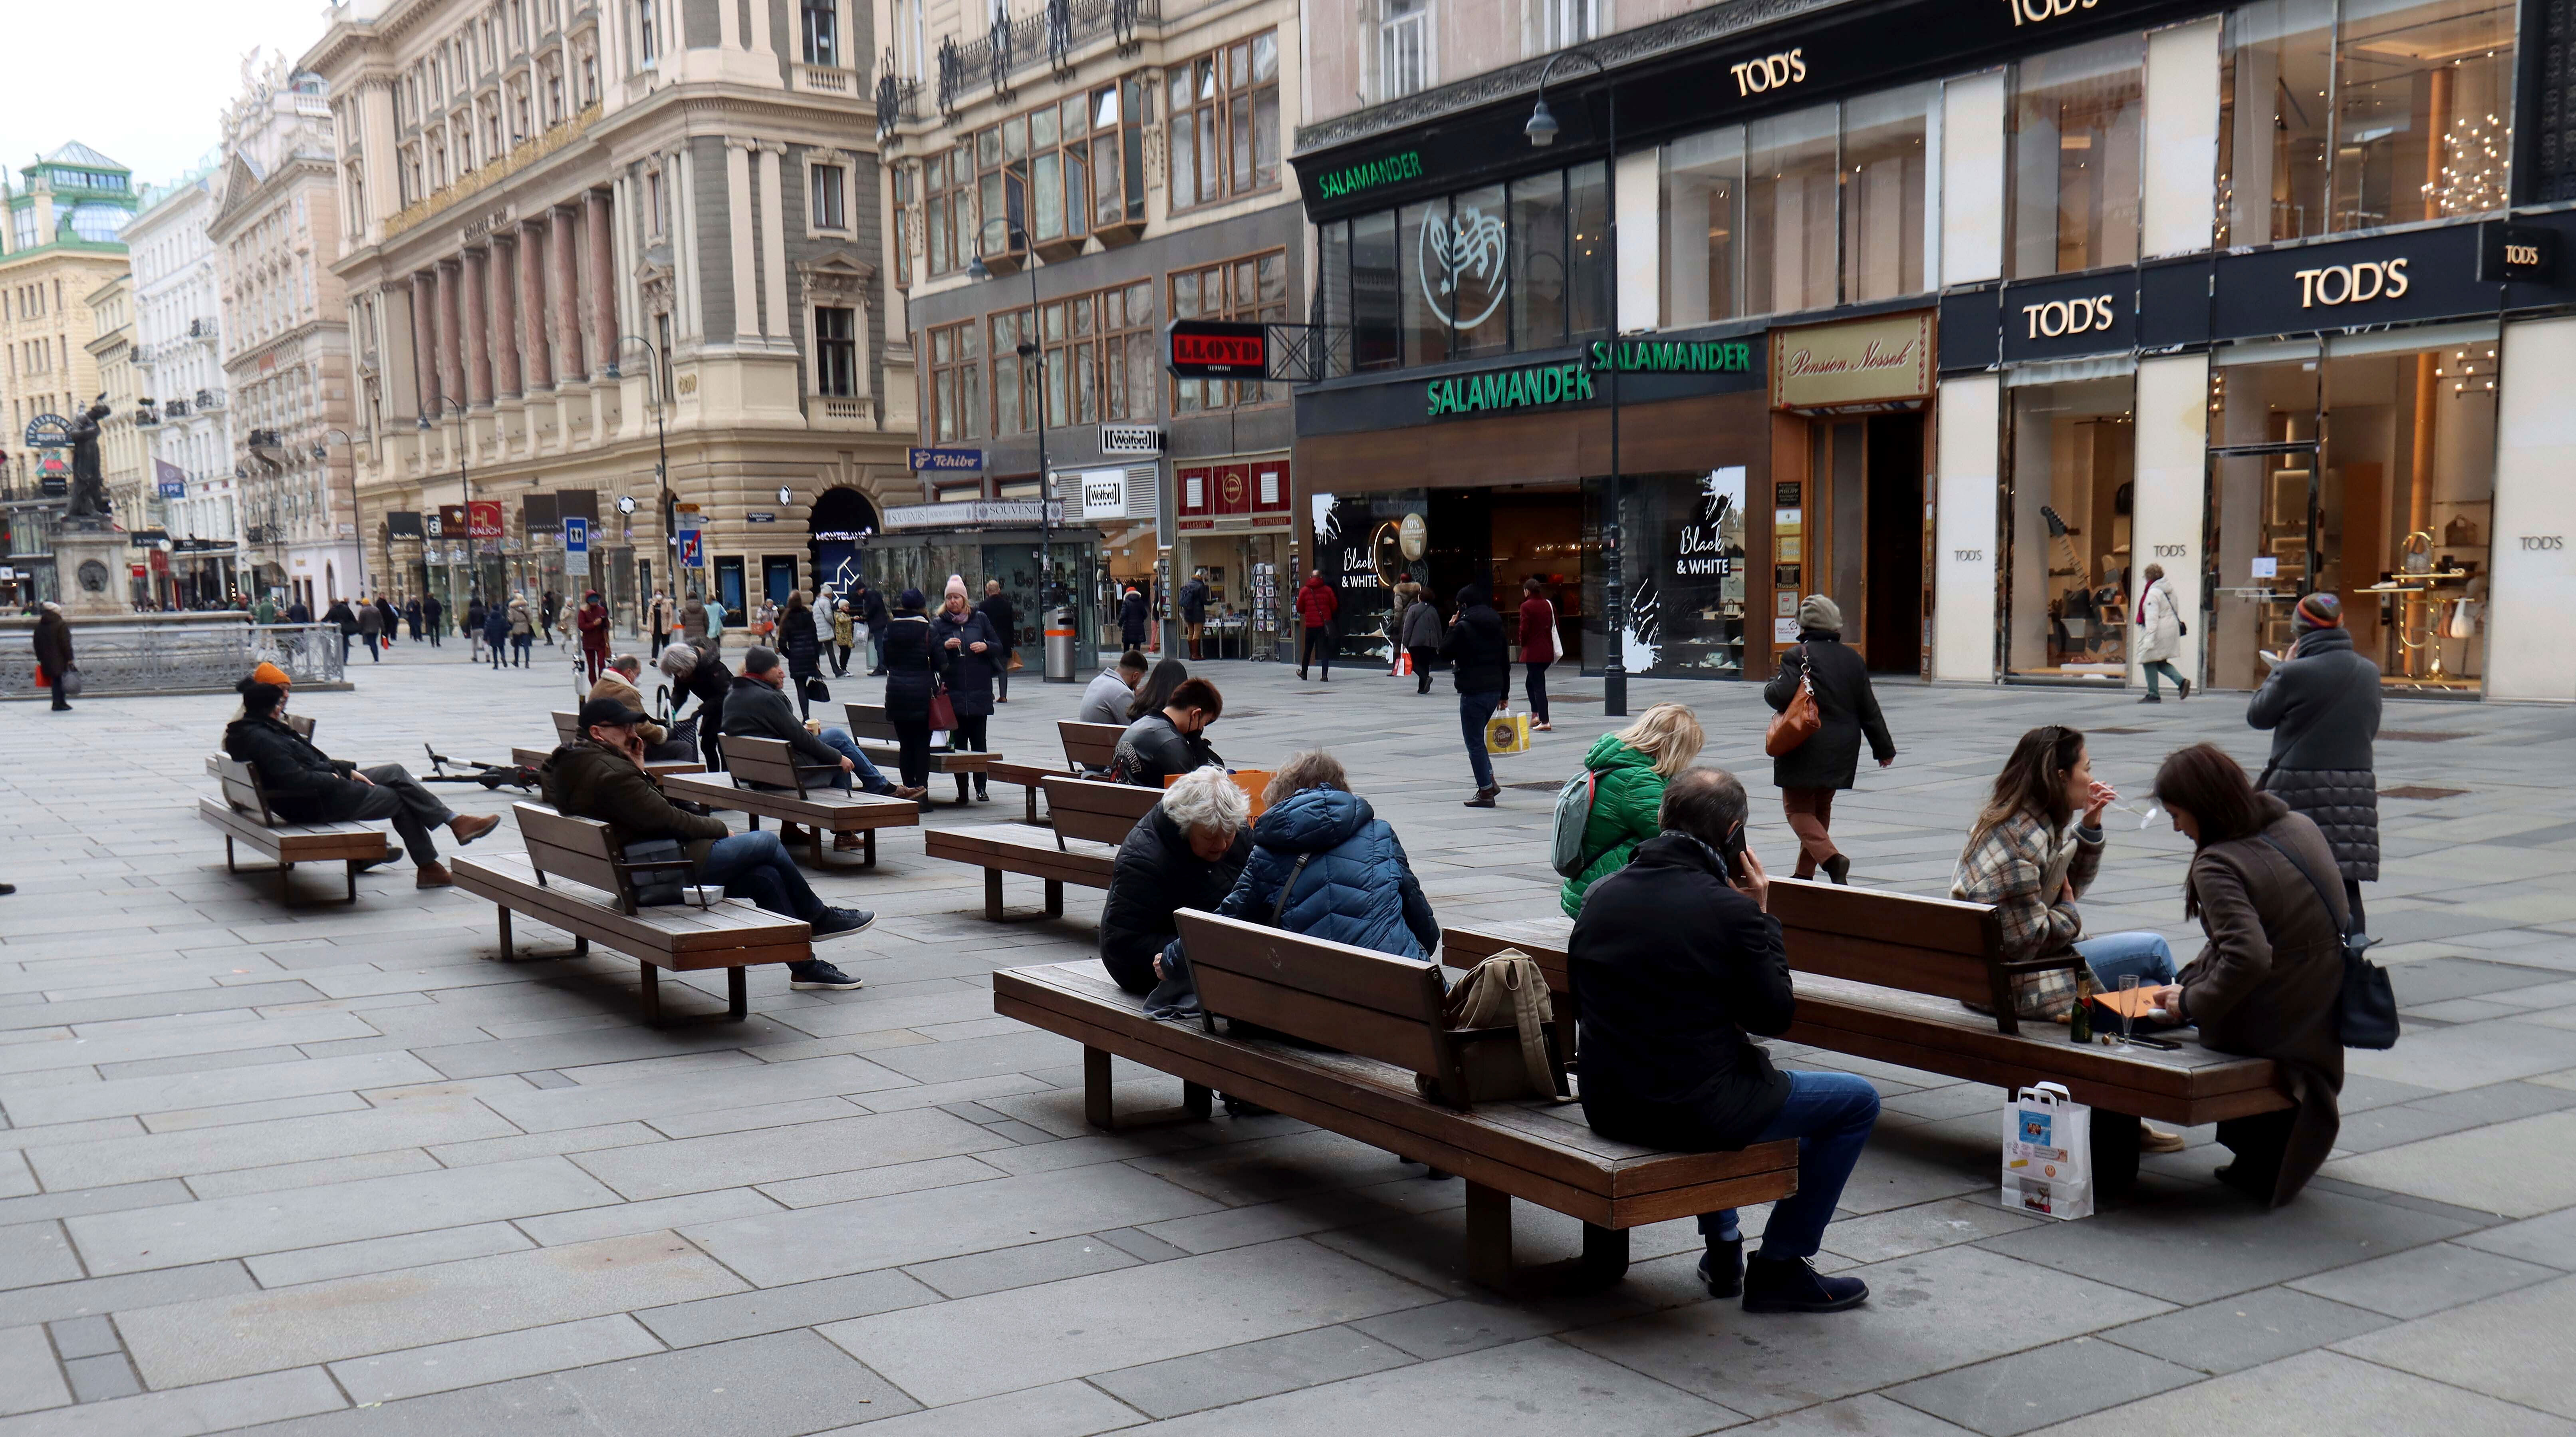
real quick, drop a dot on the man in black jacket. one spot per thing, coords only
(1481, 663)
(1185, 853)
(870, 606)
(1672, 962)
(306, 785)
(756, 707)
(1005, 617)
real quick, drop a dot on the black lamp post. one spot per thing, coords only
(464, 485)
(1542, 129)
(322, 455)
(661, 449)
(1030, 347)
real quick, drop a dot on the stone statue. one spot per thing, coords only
(89, 486)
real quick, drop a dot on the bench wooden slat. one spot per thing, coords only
(1018, 848)
(296, 842)
(832, 810)
(1091, 809)
(1089, 745)
(683, 937)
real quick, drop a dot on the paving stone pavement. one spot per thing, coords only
(337, 1169)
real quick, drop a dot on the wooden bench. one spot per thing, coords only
(571, 879)
(1088, 748)
(568, 730)
(243, 816)
(764, 778)
(1091, 819)
(1381, 1019)
(1879, 975)
(875, 735)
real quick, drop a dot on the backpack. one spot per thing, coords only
(1573, 815)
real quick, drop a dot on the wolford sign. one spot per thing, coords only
(1863, 363)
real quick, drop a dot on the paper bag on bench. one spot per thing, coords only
(2048, 1153)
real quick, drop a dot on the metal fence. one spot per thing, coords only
(159, 657)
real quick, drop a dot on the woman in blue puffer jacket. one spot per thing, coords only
(1355, 886)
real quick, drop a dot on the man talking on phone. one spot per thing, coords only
(1674, 960)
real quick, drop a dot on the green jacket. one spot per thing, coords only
(587, 781)
(1626, 807)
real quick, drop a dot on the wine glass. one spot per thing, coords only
(2128, 997)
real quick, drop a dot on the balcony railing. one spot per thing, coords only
(1047, 36)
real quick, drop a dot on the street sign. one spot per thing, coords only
(691, 557)
(685, 519)
(625, 503)
(759, 517)
(49, 431)
(1131, 439)
(576, 536)
(1215, 349)
(943, 459)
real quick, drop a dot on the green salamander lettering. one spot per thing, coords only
(1387, 171)
(1508, 389)
(1665, 356)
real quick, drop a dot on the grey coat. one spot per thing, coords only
(2322, 708)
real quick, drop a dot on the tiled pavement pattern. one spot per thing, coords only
(337, 1170)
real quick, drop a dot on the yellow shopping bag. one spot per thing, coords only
(1507, 733)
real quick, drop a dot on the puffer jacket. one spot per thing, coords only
(798, 644)
(2159, 623)
(2322, 707)
(1627, 800)
(1356, 887)
(1156, 876)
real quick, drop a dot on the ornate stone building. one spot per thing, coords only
(583, 238)
(178, 327)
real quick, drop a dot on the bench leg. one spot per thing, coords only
(229, 866)
(738, 994)
(2115, 1153)
(1055, 898)
(1489, 1235)
(652, 993)
(580, 946)
(1030, 792)
(1198, 1100)
(1605, 1253)
(285, 887)
(506, 954)
(992, 895)
(868, 847)
(353, 880)
(753, 822)
(1095, 1088)
(814, 844)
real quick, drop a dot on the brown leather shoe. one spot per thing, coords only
(434, 875)
(915, 793)
(847, 843)
(792, 835)
(470, 826)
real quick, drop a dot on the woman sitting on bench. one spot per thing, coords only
(2032, 857)
(1325, 865)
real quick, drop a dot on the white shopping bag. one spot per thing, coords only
(2048, 1153)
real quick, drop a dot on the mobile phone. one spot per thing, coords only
(1731, 852)
(2144, 1041)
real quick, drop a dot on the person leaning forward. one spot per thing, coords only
(306, 785)
(600, 776)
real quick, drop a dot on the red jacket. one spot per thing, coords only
(1316, 602)
(593, 619)
(1538, 631)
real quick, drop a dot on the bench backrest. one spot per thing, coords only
(1089, 745)
(1101, 812)
(241, 787)
(567, 727)
(1345, 998)
(563, 846)
(1938, 946)
(869, 721)
(768, 763)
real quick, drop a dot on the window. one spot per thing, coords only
(2275, 122)
(1100, 364)
(1568, 22)
(836, 352)
(822, 34)
(646, 40)
(1403, 48)
(903, 225)
(949, 210)
(1884, 175)
(830, 210)
(1225, 122)
(956, 382)
(2075, 152)
(1254, 288)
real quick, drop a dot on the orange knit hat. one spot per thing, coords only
(269, 673)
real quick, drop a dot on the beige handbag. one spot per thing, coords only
(1507, 990)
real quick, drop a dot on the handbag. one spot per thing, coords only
(2366, 1006)
(70, 683)
(1798, 722)
(666, 887)
(817, 691)
(1016, 664)
(1506, 990)
(943, 714)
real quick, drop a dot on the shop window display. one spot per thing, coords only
(2073, 448)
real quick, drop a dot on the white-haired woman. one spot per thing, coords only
(1186, 853)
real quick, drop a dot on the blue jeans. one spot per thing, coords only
(2114, 956)
(865, 772)
(755, 866)
(1830, 1114)
(1473, 710)
(2166, 668)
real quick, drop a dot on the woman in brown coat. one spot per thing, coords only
(2267, 983)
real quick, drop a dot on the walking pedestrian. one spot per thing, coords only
(431, 612)
(972, 654)
(2159, 628)
(549, 609)
(1421, 636)
(1004, 616)
(54, 652)
(1630, 770)
(1132, 616)
(1481, 666)
(1316, 605)
(477, 613)
(803, 652)
(1194, 602)
(496, 630)
(1407, 594)
(339, 614)
(912, 678)
(1538, 648)
(693, 622)
(873, 614)
(411, 618)
(2321, 704)
(592, 620)
(371, 627)
(658, 618)
(844, 631)
(523, 629)
(392, 624)
(265, 611)
(1829, 760)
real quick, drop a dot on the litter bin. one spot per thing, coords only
(1059, 645)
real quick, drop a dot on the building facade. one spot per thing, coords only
(1065, 183)
(121, 459)
(178, 308)
(284, 339)
(615, 264)
(60, 243)
(1965, 317)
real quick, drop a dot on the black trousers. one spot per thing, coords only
(393, 793)
(912, 736)
(1318, 640)
(1425, 658)
(2352, 897)
(1536, 686)
(840, 661)
(968, 737)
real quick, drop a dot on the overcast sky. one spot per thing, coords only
(142, 82)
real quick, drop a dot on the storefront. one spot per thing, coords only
(1234, 528)
(989, 539)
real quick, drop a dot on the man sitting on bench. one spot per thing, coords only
(756, 707)
(306, 785)
(600, 777)
(1672, 961)
(1186, 853)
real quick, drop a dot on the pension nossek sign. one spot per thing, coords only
(1540, 384)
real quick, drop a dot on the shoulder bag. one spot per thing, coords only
(1506, 990)
(2366, 1008)
(1798, 722)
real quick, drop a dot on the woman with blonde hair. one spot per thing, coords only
(1629, 770)
(1325, 865)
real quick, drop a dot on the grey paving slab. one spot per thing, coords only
(2312, 1393)
(644, 1099)
(1540, 1388)
(2521, 1168)
(2424, 1280)
(2246, 1330)
(860, 1183)
(2514, 1346)
(1873, 1415)
(776, 1154)
(776, 1309)
(1139, 1315)
(2026, 1390)
(2549, 1241)
(189, 1411)
(84, 1337)
(340, 1212)
(1253, 1369)
(316, 1172)
(446, 1366)
(352, 1317)
(184, 1040)
(111, 1294)
(1901, 1232)
(565, 1140)
(1063, 1409)
(385, 1254)
(34, 1253)
(1926, 1314)
(203, 998)
(266, 1144)
(2471, 1055)
(101, 1378)
(1022, 1266)
(29, 1378)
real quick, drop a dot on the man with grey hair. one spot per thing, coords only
(1185, 853)
(1673, 961)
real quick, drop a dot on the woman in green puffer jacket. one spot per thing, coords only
(1628, 796)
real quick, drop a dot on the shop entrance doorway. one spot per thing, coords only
(1869, 541)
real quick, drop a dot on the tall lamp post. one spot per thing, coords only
(1542, 129)
(1049, 592)
(661, 448)
(322, 455)
(464, 486)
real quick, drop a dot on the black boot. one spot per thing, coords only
(1795, 1286)
(1722, 1267)
(1838, 868)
